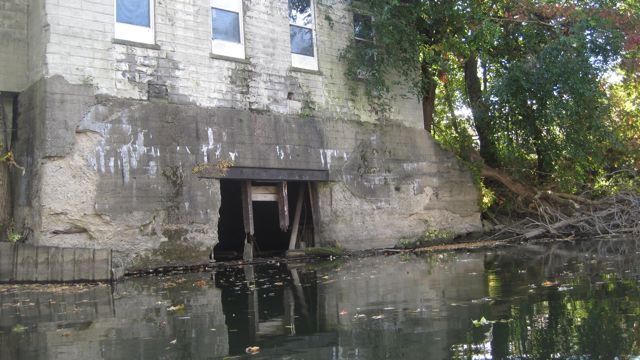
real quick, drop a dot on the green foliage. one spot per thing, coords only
(430, 237)
(14, 235)
(543, 102)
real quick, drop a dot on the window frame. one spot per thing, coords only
(303, 61)
(223, 47)
(355, 36)
(363, 41)
(135, 33)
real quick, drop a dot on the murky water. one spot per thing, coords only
(563, 301)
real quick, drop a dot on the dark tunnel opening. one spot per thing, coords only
(269, 239)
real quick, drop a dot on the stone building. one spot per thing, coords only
(147, 126)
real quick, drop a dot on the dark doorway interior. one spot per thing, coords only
(270, 240)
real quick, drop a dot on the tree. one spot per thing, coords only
(530, 72)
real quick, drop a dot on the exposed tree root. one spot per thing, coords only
(565, 215)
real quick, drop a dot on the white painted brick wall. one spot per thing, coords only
(81, 49)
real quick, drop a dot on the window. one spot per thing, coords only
(134, 20)
(302, 24)
(363, 34)
(362, 28)
(227, 30)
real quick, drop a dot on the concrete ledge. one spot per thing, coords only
(229, 58)
(136, 44)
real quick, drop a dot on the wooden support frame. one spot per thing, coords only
(247, 208)
(247, 218)
(283, 206)
(264, 193)
(296, 219)
(315, 209)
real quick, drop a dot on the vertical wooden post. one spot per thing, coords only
(296, 219)
(247, 207)
(283, 206)
(247, 217)
(315, 210)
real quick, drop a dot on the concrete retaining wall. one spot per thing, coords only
(27, 263)
(111, 135)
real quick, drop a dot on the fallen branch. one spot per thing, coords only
(561, 224)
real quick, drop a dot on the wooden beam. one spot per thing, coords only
(246, 173)
(247, 253)
(315, 210)
(264, 197)
(264, 189)
(247, 218)
(296, 219)
(247, 208)
(283, 206)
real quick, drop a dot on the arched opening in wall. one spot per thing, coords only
(274, 223)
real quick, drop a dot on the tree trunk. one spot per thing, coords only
(480, 111)
(428, 98)
(544, 162)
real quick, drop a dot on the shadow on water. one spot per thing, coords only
(554, 301)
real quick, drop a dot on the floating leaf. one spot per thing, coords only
(200, 283)
(252, 350)
(483, 321)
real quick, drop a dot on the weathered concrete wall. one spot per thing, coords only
(118, 173)
(38, 36)
(395, 184)
(82, 50)
(13, 45)
(112, 133)
(28, 139)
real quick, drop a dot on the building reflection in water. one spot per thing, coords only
(364, 308)
(326, 310)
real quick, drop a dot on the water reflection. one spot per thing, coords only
(560, 301)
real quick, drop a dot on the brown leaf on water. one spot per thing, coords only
(252, 350)
(200, 283)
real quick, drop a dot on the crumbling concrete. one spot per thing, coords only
(123, 178)
(112, 132)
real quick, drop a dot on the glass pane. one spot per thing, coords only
(301, 41)
(226, 25)
(134, 12)
(300, 13)
(362, 27)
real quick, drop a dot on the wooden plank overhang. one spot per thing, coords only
(268, 174)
